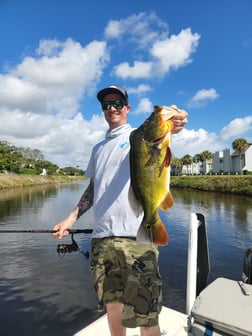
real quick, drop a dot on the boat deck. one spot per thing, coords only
(172, 323)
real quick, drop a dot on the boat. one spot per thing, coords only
(221, 308)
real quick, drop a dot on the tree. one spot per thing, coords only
(175, 164)
(206, 158)
(206, 155)
(187, 161)
(241, 145)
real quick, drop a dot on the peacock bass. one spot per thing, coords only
(150, 158)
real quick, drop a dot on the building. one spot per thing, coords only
(235, 162)
(194, 168)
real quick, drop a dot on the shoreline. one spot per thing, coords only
(227, 184)
(19, 181)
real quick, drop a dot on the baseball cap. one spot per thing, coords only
(112, 89)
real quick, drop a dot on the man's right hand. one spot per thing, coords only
(63, 226)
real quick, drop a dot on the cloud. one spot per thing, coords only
(45, 98)
(144, 106)
(175, 51)
(141, 30)
(56, 79)
(137, 70)
(147, 33)
(64, 141)
(237, 128)
(194, 142)
(139, 90)
(201, 97)
(41, 96)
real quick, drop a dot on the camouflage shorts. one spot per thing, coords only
(127, 272)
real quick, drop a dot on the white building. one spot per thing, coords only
(235, 162)
(194, 168)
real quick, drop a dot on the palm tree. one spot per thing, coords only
(175, 164)
(187, 161)
(240, 145)
(206, 157)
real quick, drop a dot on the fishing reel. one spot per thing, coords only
(62, 249)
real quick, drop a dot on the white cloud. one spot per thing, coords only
(64, 141)
(148, 33)
(56, 79)
(138, 70)
(40, 97)
(144, 106)
(40, 100)
(140, 89)
(237, 128)
(201, 97)
(140, 29)
(194, 142)
(175, 51)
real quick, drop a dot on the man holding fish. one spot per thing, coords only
(129, 175)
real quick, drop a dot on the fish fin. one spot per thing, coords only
(167, 202)
(157, 234)
(167, 158)
(135, 205)
(160, 234)
(154, 152)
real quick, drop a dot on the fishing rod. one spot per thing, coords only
(62, 249)
(47, 231)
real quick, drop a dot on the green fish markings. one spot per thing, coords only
(150, 158)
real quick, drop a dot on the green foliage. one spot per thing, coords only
(29, 171)
(21, 160)
(230, 184)
(71, 171)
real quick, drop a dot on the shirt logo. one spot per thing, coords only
(122, 145)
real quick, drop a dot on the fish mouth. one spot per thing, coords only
(167, 113)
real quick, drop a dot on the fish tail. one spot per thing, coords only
(156, 234)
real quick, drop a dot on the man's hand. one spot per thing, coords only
(179, 119)
(63, 227)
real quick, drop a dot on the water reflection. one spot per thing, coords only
(42, 294)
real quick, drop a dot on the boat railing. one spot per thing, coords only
(197, 260)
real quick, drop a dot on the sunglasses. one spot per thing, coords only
(118, 104)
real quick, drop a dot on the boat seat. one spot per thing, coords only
(223, 308)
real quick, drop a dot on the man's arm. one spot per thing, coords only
(86, 200)
(85, 203)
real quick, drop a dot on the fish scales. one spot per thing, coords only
(150, 157)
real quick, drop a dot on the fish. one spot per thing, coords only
(150, 158)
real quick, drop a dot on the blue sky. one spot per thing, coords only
(55, 55)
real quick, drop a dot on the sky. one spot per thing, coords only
(55, 55)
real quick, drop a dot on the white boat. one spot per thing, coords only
(223, 308)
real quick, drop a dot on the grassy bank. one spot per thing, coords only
(230, 184)
(16, 180)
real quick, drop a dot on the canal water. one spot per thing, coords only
(46, 294)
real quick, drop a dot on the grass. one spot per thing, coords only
(18, 180)
(229, 184)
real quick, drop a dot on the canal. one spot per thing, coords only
(44, 293)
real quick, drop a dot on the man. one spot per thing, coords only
(125, 274)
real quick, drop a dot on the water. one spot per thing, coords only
(43, 294)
